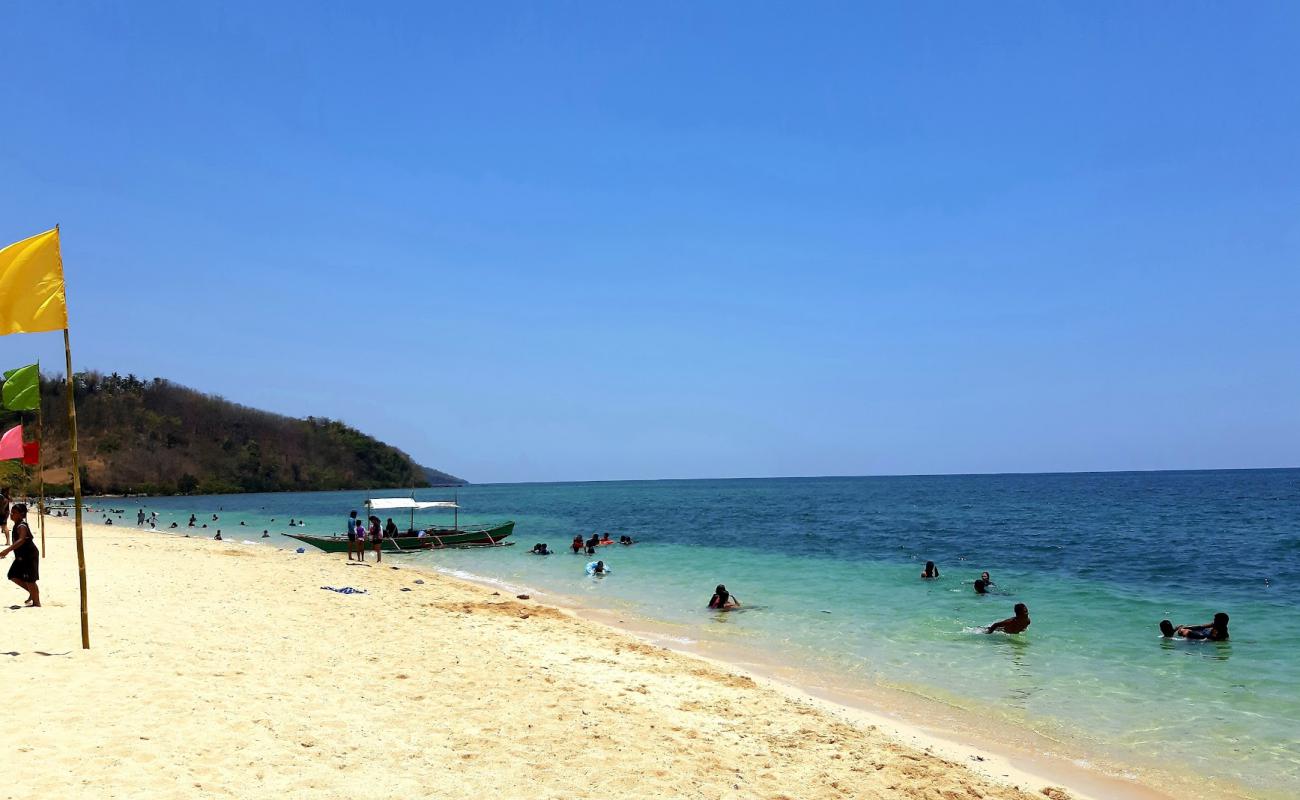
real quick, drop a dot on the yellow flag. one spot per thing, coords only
(31, 286)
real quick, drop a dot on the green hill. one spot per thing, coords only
(156, 437)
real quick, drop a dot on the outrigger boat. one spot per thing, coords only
(423, 539)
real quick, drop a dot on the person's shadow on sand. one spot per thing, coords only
(37, 652)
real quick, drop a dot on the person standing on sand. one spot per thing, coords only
(27, 559)
(1016, 624)
(4, 512)
(377, 538)
(350, 528)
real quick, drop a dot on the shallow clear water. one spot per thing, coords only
(828, 570)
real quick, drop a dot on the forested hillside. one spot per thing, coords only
(156, 437)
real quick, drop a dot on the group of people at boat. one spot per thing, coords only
(359, 536)
(1214, 631)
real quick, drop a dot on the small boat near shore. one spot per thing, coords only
(431, 538)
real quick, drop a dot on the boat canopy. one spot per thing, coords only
(407, 504)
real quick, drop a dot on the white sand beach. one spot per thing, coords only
(222, 669)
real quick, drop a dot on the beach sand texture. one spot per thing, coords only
(221, 669)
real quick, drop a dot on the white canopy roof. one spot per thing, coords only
(407, 504)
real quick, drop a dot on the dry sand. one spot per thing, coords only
(221, 669)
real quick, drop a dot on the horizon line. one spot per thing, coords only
(896, 475)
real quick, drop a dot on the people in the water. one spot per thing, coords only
(604, 539)
(1015, 624)
(931, 571)
(984, 576)
(599, 568)
(218, 536)
(193, 519)
(1216, 631)
(577, 544)
(173, 524)
(266, 534)
(722, 599)
(981, 586)
(540, 549)
(625, 539)
(594, 541)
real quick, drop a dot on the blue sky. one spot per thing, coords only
(598, 241)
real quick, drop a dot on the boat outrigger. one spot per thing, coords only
(419, 539)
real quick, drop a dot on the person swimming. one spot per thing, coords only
(722, 599)
(266, 535)
(604, 539)
(625, 539)
(598, 568)
(931, 571)
(539, 549)
(577, 544)
(1216, 631)
(981, 586)
(1014, 624)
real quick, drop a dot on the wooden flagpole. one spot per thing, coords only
(76, 483)
(76, 493)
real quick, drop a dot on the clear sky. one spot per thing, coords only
(530, 241)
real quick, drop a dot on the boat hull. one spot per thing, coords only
(435, 538)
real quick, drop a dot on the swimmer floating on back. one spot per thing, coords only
(1216, 631)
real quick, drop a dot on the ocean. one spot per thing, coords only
(828, 572)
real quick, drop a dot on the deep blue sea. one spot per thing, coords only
(828, 569)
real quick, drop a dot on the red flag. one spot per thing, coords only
(11, 444)
(31, 453)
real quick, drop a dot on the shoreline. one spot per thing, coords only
(1000, 749)
(184, 652)
(909, 719)
(1023, 756)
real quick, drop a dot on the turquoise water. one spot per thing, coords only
(828, 570)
